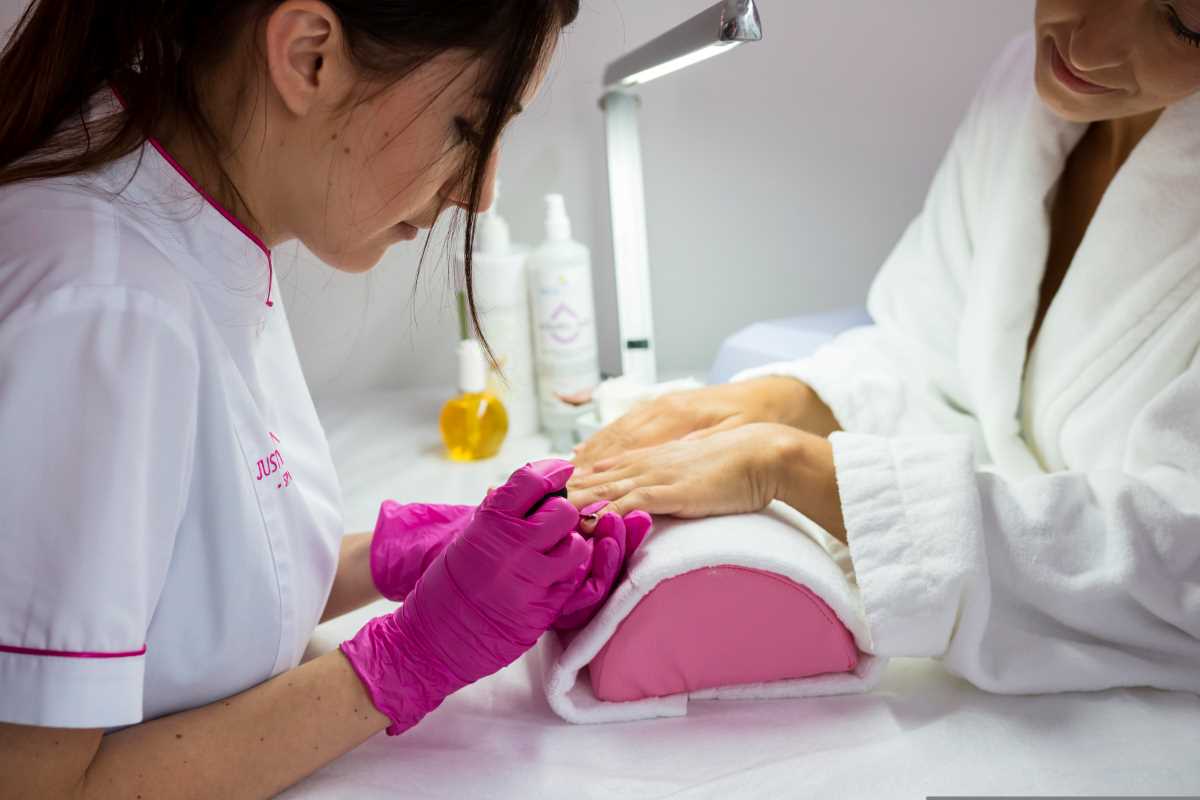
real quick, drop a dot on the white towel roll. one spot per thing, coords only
(777, 540)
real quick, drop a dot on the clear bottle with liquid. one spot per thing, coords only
(474, 423)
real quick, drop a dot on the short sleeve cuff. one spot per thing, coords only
(71, 692)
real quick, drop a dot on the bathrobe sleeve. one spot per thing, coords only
(1063, 581)
(900, 375)
(98, 410)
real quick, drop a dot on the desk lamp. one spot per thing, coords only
(713, 31)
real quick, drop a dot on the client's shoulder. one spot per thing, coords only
(1011, 80)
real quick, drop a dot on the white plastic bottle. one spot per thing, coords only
(502, 300)
(564, 314)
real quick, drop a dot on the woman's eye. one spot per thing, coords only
(467, 132)
(1181, 30)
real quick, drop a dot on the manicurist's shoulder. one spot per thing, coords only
(66, 245)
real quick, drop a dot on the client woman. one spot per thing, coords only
(1012, 450)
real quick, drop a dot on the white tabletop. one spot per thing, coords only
(922, 732)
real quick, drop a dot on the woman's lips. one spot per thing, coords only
(406, 232)
(1069, 78)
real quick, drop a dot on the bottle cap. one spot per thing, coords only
(492, 236)
(472, 367)
(558, 224)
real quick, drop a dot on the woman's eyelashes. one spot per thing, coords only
(1180, 29)
(467, 133)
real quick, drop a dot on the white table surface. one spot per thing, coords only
(922, 732)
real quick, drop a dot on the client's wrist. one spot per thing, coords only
(777, 399)
(792, 402)
(806, 478)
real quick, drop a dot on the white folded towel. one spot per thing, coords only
(776, 540)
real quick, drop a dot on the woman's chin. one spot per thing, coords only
(361, 259)
(1067, 108)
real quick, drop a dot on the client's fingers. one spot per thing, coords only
(599, 476)
(610, 490)
(630, 460)
(668, 500)
(704, 433)
(589, 517)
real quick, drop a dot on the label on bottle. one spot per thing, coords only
(508, 332)
(567, 353)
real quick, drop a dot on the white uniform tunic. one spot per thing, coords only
(1035, 522)
(171, 515)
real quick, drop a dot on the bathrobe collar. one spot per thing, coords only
(1133, 255)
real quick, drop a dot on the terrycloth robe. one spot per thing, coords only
(1036, 525)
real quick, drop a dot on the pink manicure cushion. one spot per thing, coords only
(721, 626)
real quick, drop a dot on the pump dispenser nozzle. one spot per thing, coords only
(558, 224)
(492, 236)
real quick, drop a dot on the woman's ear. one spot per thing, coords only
(304, 53)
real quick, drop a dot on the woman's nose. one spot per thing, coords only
(1103, 39)
(459, 193)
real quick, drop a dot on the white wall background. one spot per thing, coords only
(778, 177)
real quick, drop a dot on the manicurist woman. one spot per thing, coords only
(172, 523)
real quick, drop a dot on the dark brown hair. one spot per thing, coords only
(155, 52)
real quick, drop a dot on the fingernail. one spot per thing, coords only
(590, 511)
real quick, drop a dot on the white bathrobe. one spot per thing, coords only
(1037, 527)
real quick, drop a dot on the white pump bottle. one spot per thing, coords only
(502, 300)
(564, 313)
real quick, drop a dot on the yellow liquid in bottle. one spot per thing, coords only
(474, 426)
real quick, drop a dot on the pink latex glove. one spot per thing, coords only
(408, 538)
(614, 541)
(482, 603)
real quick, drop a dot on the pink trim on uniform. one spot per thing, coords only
(29, 651)
(249, 234)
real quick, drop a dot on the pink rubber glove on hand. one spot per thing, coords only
(408, 538)
(614, 542)
(481, 604)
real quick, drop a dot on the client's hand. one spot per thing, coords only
(732, 471)
(673, 416)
